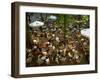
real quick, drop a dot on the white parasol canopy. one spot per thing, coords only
(36, 24)
(52, 17)
(85, 32)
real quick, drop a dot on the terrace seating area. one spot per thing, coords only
(50, 46)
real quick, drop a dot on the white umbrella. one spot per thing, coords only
(52, 17)
(36, 24)
(85, 32)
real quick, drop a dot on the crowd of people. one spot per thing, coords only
(50, 46)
